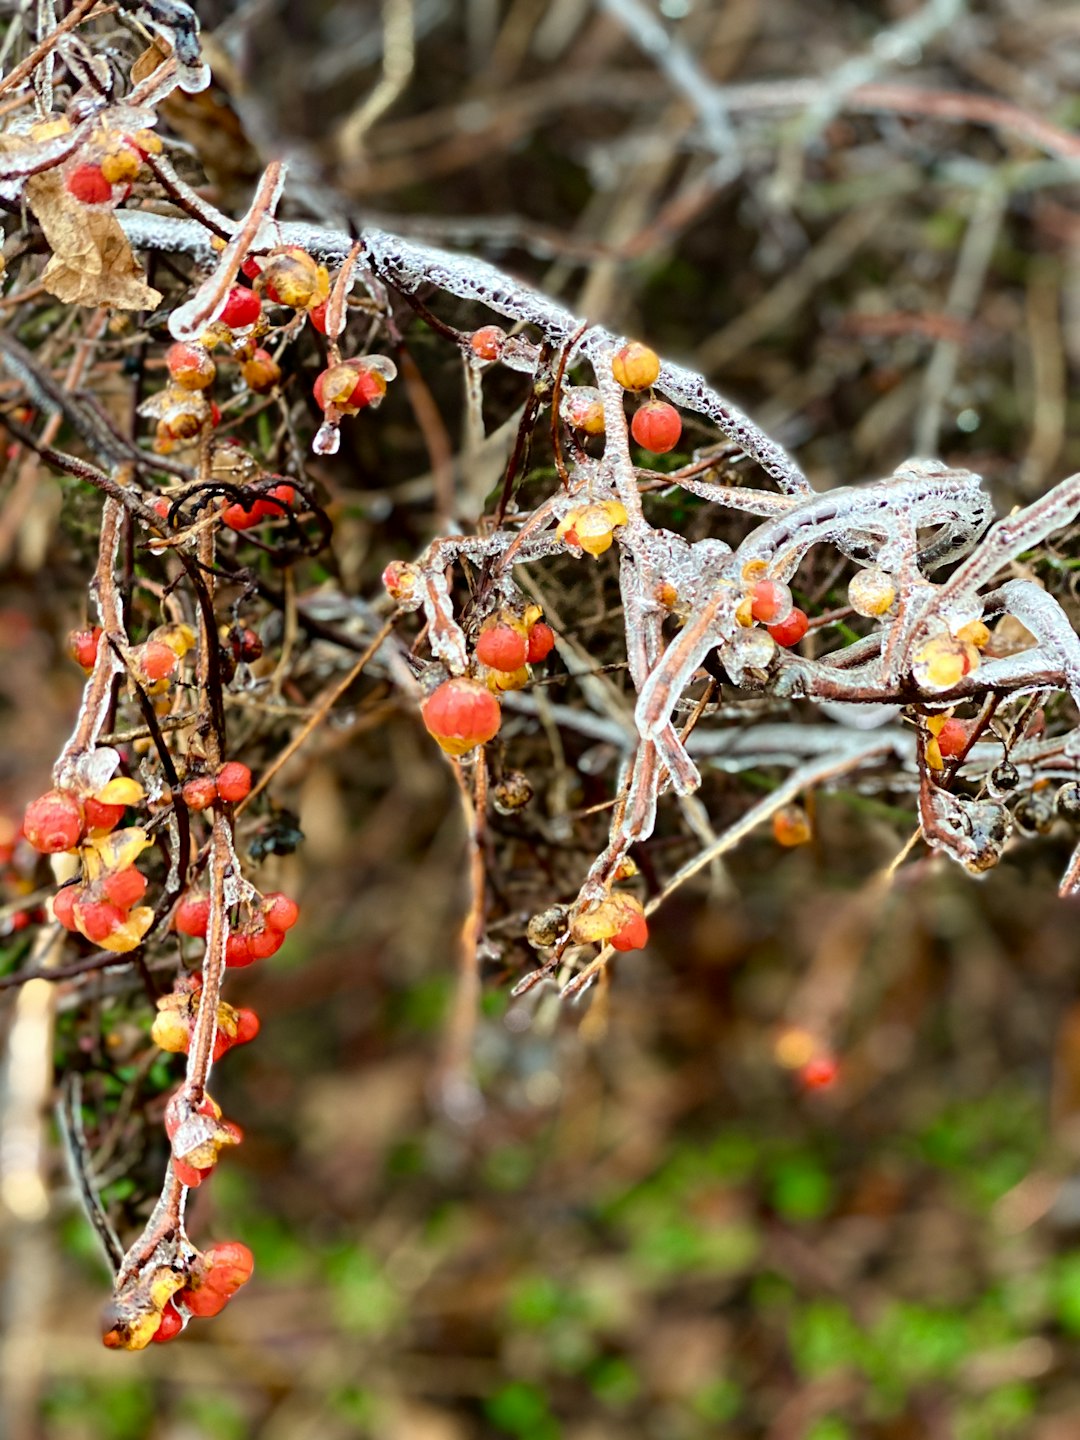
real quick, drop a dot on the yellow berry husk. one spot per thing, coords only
(606, 919)
(974, 633)
(500, 680)
(121, 167)
(871, 592)
(635, 366)
(932, 751)
(943, 662)
(744, 611)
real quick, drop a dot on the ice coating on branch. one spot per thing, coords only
(178, 26)
(972, 832)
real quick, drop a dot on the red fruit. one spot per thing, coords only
(286, 494)
(461, 714)
(53, 822)
(238, 951)
(246, 646)
(952, 739)
(88, 185)
(64, 906)
(192, 915)
(97, 919)
(101, 818)
(200, 793)
(190, 366)
(242, 308)
(770, 601)
(251, 269)
(238, 517)
(224, 1268)
(281, 913)
(264, 942)
(172, 1322)
(502, 648)
(191, 1177)
(82, 646)
(791, 630)
(487, 342)
(203, 1302)
(656, 426)
(233, 781)
(317, 314)
(633, 934)
(819, 1073)
(157, 660)
(247, 1026)
(541, 643)
(125, 888)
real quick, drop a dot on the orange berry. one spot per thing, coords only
(501, 647)
(461, 714)
(791, 630)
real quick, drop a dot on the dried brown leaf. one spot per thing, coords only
(92, 262)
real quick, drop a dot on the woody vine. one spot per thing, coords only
(268, 316)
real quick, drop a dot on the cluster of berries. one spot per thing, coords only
(175, 1020)
(462, 713)
(231, 784)
(204, 1288)
(262, 934)
(102, 172)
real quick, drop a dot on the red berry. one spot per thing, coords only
(82, 646)
(247, 1026)
(172, 1322)
(239, 517)
(281, 913)
(192, 915)
(819, 1073)
(242, 308)
(125, 887)
(101, 818)
(461, 714)
(246, 646)
(656, 426)
(200, 793)
(156, 660)
(317, 314)
(190, 366)
(64, 906)
(53, 822)
(233, 781)
(791, 630)
(633, 934)
(541, 642)
(251, 269)
(770, 601)
(88, 185)
(225, 1267)
(952, 739)
(97, 919)
(191, 1177)
(264, 942)
(487, 342)
(502, 648)
(238, 950)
